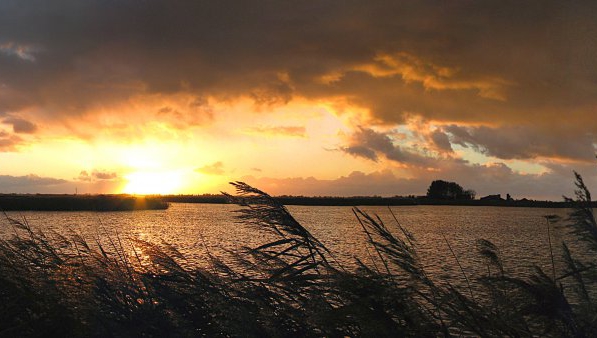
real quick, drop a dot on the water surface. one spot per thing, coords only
(195, 229)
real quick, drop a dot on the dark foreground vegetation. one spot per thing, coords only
(55, 285)
(80, 202)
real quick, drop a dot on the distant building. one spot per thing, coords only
(497, 197)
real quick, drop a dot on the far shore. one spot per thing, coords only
(69, 202)
(123, 202)
(377, 201)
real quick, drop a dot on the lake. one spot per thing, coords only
(194, 229)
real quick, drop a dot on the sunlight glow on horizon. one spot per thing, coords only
(149, 183)
(298, 147)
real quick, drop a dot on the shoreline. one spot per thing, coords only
(125, 202)
(377, 201)
(66, 202)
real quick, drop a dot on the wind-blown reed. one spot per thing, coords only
(64, 285)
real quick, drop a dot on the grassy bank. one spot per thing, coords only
(57, 285)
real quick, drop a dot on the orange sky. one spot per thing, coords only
(311, 98)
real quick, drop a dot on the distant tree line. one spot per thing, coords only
(41, 202)
(444, 190)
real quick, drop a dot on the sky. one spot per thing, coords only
(318, 98)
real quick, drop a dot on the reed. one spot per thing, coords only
(64, 285)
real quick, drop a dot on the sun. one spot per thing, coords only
(149, 183)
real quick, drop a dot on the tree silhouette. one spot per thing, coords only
(449, 191)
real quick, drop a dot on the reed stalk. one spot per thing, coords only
(63, 285)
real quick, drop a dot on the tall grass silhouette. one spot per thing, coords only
(55, 284)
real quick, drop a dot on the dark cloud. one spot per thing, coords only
(525, 143)
(50, 185)
(195, 114)
(28, 183)
(9, 142)
(370, 144)
(20, 125)
(531, 64)
(441, 141)
(489, 49)
(278, 92)
(361, 151)
(84, 176)
(96, 175)
(105, 176)
(216, 168)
